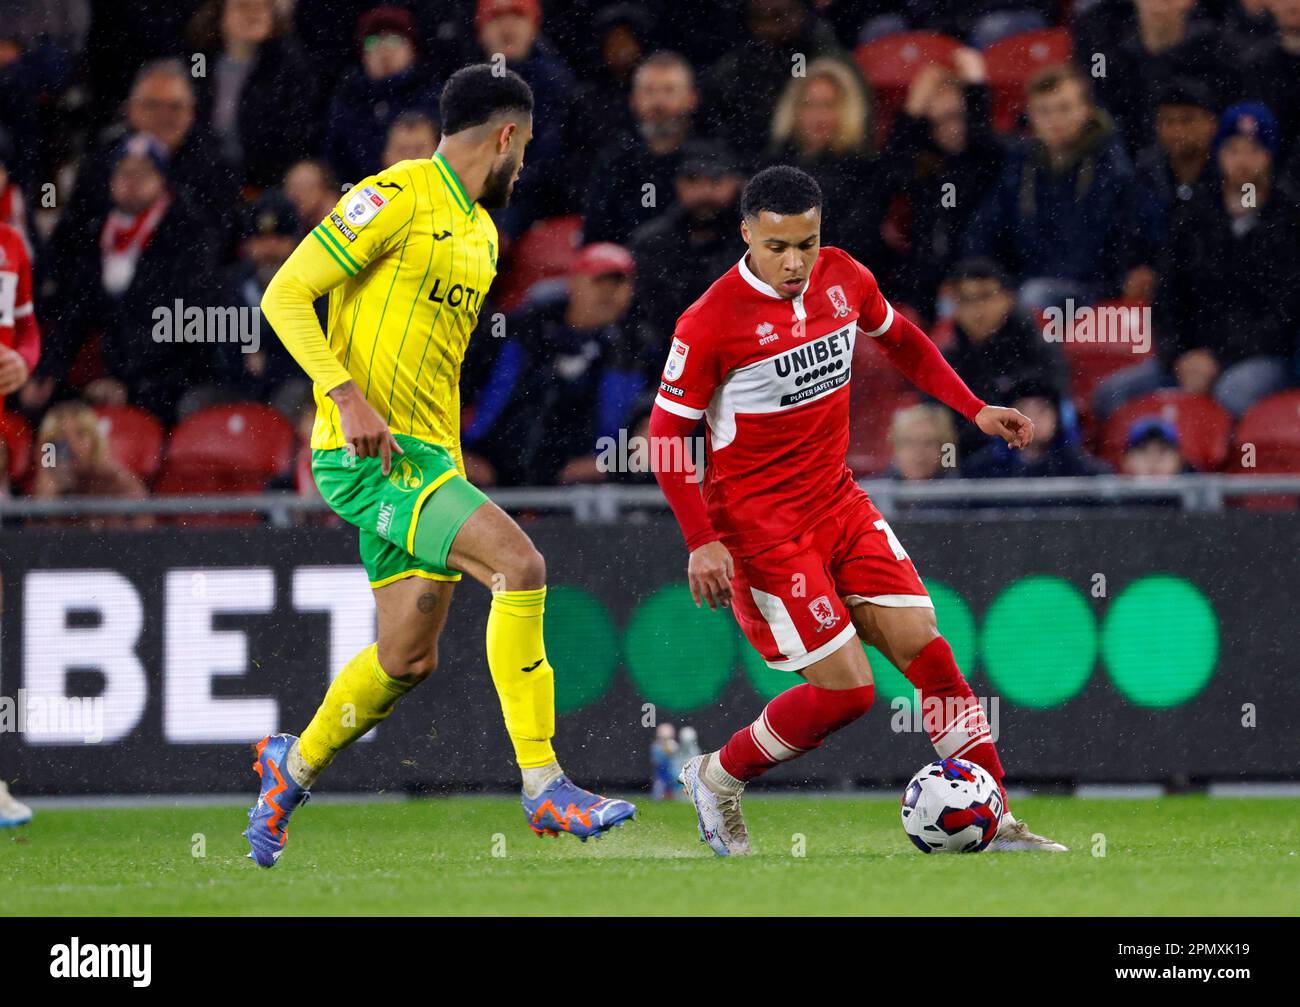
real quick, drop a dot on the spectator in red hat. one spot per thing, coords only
(562, 379)
(510, 31)
(389, 81)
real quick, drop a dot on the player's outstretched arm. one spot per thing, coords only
(915, 355)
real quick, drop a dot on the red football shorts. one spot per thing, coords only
(792, 601)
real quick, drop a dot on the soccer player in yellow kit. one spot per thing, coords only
(407, 257)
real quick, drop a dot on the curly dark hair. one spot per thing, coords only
(474, 94)
(781, 189)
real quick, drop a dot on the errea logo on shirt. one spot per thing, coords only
(363, 204)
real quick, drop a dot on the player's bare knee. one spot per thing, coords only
(912, 633)
(525, 570)
(410, 665)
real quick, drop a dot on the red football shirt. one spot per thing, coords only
(16, 331)
(771, 377)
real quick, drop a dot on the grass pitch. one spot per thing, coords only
(813, 856)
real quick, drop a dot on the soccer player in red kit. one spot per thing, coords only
(20, 339)
(20, 345)
(782, 533)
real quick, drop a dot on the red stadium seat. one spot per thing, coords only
(1272, 427)
(1204, 427)
(1091, 363)
(135, 437)
(1010, 63)
(17, 437)
(227, 449)
(889, 63)
(546, 249)
(1269, 436)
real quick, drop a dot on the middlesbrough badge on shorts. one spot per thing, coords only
(676, 360)
(824, 612)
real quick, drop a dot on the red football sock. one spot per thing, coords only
(952, 714)
(791, 725)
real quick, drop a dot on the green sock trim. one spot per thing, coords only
(388, 681)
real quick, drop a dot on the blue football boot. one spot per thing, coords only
(565, 807)
(268, 819)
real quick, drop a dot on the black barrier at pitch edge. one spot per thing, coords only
(211, 638)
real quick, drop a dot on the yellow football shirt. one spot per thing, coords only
(407, 260)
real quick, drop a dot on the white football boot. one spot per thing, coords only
(12, 812)
(1013, 836)
(721, 824)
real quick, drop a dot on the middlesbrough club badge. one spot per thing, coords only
(823, 612)
(839, 300)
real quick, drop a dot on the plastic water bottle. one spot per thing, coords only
(663, 762)
(688, 747)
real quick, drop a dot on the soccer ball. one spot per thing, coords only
(952, 806)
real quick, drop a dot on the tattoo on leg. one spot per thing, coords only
(427, 602)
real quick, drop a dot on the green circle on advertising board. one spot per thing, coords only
(956, 622)
(891, 684)
(679, 656)
(582, 645)
(1160, 641)
(767, 682)
(1039, 642)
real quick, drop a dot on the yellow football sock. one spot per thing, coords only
(361, 695)
(524, 678)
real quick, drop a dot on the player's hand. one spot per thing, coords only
(1011, 425)
(13, 371)
(709, 571)
(363, 428)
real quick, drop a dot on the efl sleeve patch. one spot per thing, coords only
(676, 360)
(363, 204)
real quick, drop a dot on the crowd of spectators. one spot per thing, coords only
(174, 151)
